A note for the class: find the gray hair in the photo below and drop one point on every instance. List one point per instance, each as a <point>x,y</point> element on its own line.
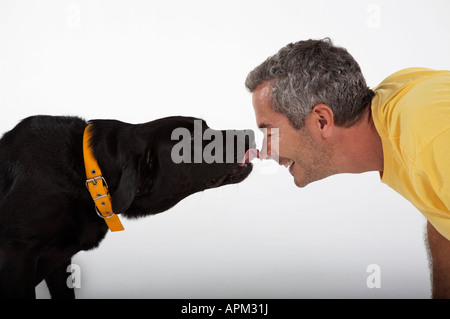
<point>311,72</point>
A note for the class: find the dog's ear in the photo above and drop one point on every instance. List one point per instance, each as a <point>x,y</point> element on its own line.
<point>128,184</point>
<point>136,173</point>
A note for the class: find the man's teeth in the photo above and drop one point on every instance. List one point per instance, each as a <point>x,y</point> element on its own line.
<point>287,164</point>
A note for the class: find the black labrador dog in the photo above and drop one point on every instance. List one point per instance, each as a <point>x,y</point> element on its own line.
<point>46,213</point>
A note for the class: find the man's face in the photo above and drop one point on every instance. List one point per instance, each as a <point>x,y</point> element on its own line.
<point>302,150</point>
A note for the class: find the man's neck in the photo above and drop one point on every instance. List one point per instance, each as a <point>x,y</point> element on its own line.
<point>359,148</point>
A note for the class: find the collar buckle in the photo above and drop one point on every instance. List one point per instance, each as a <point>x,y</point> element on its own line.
<point>94,182</point>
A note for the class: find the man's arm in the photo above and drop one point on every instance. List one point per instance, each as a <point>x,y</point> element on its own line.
<point>439,249</point>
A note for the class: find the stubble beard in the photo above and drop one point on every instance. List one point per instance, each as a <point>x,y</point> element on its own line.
<point>319,164</point>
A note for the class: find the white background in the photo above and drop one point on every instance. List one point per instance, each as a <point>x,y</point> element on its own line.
<point>140,60</point>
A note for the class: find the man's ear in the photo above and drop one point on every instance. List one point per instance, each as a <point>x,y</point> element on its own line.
<point>128,184</point>
<point>322,118</point>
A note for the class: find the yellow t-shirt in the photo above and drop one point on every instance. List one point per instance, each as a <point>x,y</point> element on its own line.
<point>411,112</point>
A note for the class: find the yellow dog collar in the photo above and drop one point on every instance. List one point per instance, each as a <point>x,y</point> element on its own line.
<point>97,186</point>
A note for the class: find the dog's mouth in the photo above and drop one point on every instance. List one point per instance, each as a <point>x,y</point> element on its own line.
<point>239,173</point>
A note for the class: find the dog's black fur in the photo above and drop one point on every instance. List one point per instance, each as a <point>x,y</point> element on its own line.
<point>46,212</point>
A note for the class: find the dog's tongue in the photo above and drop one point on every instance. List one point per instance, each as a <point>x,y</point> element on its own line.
<point>251,154</point>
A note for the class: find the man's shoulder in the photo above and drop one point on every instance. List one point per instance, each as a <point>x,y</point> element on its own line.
<point>413,95</point>
<point>410,74</point>
<point>413,106</point>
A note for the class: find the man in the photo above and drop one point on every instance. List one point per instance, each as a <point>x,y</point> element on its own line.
<point>330,122</point>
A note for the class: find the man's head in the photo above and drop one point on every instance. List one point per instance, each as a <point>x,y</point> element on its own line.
<point>311,91</point>
<point>307,73</point>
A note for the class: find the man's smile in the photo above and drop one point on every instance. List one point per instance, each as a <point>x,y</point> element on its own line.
<point>286,162</point>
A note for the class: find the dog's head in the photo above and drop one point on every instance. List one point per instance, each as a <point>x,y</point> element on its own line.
<point>171,158</point>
